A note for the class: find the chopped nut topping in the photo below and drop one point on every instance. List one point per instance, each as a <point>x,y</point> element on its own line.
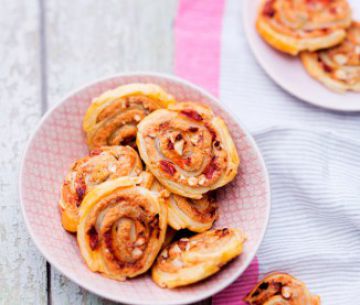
<point>195,139</point>
<point>202,180</point>
<point>165,253</point>
<point>88,181</point>
<point>192,181</point>
<point>340,74</point>
<point>175,249</point>
<point>177,263</point>
<point>179,146</point>
<point>285,292</point>
<point>136,253</point>
<point>340,59</point>
<point>140,241</point>
<point>112,167</point>
<point>357,50</point>
<point>172,137</point>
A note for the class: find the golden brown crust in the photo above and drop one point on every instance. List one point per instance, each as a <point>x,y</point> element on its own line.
<point>197,215</point>
<point>281,288</point>
<point>102,164</point>
<point>112,117</point>
<point>338,68</point>
<point>292,26</point>
<point>188,149</point>
<point>190,260</point>
<point>122,228</point>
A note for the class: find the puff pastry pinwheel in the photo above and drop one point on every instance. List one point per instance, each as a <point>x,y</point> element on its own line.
<point>188,149</point>
<point>197,215</point>
<point>292,26</point>
<point>338,68</point>
<point>112,117</point>
<point>105,163</point>
<point>122,228</point>
<point>281,288</point>
<point>190,260</point>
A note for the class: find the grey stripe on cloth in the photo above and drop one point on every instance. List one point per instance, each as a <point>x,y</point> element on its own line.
<point>314,229</point>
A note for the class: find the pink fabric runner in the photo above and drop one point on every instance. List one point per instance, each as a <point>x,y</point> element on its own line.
<point>198,29</point>
<point>197,42</point>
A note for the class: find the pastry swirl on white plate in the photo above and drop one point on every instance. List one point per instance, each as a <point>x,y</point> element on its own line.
<point>188,149</point>
<point>112,118</point>
<point>102,164</point>
<point>281,289</point>
<point>292,26</point>
<point>338,68</point>
<point>190,260</point>
<point>122,228</point>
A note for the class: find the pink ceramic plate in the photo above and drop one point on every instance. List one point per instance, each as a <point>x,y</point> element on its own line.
<point>288,72</point>
<point>58,141</point>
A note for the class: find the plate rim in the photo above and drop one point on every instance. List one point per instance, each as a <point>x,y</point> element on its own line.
<point>246,22</point>
<point>77,281</point>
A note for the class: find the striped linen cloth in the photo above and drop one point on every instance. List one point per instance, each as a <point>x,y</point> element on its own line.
<point>312,155</point>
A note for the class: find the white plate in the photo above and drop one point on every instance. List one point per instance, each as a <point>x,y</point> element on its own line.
<point>288,72</point>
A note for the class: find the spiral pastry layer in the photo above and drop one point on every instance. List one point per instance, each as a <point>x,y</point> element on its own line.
<point>122,228</point>
<point>103,164</point>
<point>292,26</point>
<point>281,288</point>
<point>197,215</point>
<point>338,68</point>
<point>112,118</point>
<point>188,149</point>
<point>190,260</point>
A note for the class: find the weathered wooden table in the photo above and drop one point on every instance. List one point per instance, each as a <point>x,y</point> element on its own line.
<point>48,48</point>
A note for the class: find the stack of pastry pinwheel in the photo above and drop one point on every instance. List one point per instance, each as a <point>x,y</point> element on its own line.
<point>152,169</point>
<point>322,32</point>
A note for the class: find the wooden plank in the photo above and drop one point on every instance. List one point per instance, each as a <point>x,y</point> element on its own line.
<point>89,39</point>
<point>22,268</point>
